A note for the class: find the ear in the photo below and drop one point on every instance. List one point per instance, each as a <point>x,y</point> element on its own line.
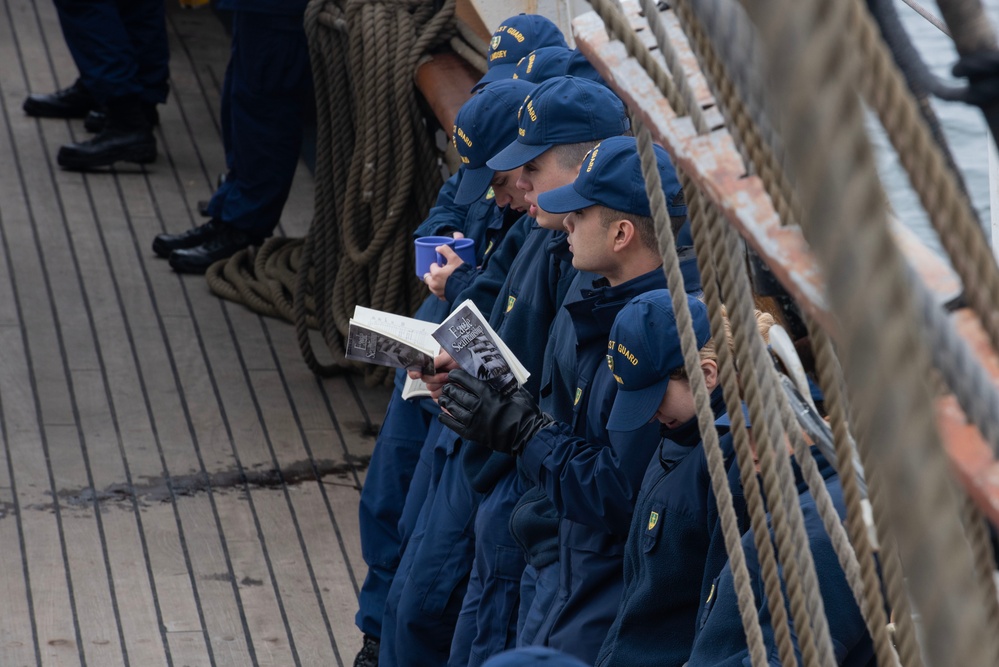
<point>624,234</point>
<point>710,368</point>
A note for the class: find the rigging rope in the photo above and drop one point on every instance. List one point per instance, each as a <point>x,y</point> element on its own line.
<point>845,223</point>
<point>833,390</point>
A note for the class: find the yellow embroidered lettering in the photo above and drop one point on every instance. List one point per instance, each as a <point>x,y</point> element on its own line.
<point>531,112</point>
<point>496,55</point>
<point>517,35</point>
<point>593,156</point>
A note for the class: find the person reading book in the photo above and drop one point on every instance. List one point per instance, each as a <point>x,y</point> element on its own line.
<point>611,234</point>
<point>579,114</point>
<point>498,226</point>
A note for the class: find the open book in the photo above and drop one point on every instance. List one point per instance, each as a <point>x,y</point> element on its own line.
<point>478,350</point>
<point>386,339</point>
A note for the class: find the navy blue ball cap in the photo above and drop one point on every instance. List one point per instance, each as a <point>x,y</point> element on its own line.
<point>644,347</point>
<point>543,64</point>
<point>611,175</point>
<point>533,656</point>
<point>563,110</point>
<point>549,62</point>
<point>516,37</point>
<point>484,125</point>
<point>578,65</point>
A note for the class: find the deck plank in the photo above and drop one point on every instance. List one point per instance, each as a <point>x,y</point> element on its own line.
<point>124,387</point>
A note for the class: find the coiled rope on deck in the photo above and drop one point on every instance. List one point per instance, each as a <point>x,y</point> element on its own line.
<point>376,177</point>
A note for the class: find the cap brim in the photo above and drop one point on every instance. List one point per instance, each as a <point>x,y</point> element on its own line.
<point>495,73</point>
<point>473,185</point>
<point>516,155</point>
<point>634,409</point>
<point>563,200</point>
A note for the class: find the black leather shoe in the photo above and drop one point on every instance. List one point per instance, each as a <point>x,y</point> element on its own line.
<point>127,136</point>
<point>73,102</point>
<point>97,119</point>
<point>164,244</point>
<point>368,655</point>
<point>226,242</point>
<point>108,147</point>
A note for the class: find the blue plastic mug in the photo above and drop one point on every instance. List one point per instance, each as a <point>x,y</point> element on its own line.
<point>465,248</point>
<point>426,253</point>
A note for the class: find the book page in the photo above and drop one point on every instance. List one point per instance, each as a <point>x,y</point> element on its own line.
<point>392,340</point>
<point>476,347</point>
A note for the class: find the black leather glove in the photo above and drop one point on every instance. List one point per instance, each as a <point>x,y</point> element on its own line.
<point>480,413</point>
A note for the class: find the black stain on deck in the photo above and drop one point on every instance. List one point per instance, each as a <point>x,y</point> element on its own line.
<point>162,489</point>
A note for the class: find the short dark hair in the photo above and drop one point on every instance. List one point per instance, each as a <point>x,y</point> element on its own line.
<point>644,225</point>
<point>570,156</point>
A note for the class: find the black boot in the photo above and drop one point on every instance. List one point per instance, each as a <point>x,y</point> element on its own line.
<point>97,119</point>
<point>368,655</point>
<point>127,136</point>
<point>164,244</point>
<point>73,102</point>
<point>226,242</point>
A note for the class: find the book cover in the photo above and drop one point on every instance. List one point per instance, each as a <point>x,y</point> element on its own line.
<point>386,339</point>
<point>478,350</point>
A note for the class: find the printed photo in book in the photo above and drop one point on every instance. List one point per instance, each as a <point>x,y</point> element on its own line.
<point>386,339</point>
<point>472,343</point>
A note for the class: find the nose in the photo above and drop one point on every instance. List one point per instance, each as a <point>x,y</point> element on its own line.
<point>567,223</point>
<point>523,183</point>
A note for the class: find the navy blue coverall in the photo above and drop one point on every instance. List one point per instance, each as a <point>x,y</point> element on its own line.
<point>266,93</point>
<point>674,549</point>
<point>720,640</point>
<point>119,46</point>
<point>396,455</point>
<point>425,599</point>
<point>590,475</point>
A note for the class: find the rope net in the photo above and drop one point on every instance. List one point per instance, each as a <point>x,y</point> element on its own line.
<point>919,563</point>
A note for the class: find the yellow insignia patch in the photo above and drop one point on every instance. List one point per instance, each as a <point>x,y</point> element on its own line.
<point>489,193</point>
<point>509,303</point>
<point>495,42</point>
<point>711,594</point>
<point>653,520</point>
<point>579,394</point>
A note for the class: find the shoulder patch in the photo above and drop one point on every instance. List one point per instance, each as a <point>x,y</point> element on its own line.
<point>579,394</point>
<point>653,519</point>
<point>509,303</point>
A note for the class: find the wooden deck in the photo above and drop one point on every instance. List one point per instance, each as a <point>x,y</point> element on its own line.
<point>139,521</point>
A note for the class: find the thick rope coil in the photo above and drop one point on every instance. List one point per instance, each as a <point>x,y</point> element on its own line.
<point>372,187</point>
<point>845,222</point>
<point>872,604</point>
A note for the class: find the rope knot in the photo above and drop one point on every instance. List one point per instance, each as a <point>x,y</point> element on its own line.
<point>982,71</point>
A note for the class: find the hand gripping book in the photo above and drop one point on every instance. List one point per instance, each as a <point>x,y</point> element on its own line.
<point>386,339</point>
<point>476,347</point>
